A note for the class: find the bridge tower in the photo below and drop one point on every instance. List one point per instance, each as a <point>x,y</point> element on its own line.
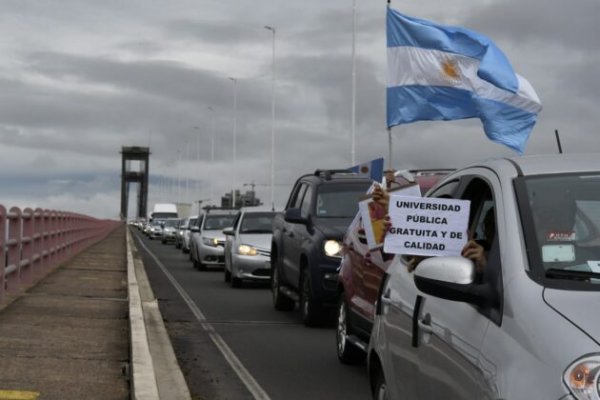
<point>139,176</point>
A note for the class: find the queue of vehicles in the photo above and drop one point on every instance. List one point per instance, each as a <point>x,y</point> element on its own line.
<point>524,327</point>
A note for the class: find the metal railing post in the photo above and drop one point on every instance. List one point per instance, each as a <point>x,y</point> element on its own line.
<point>3,239</point>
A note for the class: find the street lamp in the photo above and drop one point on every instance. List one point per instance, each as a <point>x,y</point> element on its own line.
<point>234,135</point>
<point>272,29</point>
<point>212,149</point>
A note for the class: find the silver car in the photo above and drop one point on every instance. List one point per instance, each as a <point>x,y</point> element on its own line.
<point>186,233</point>
<point>248,246</point>
<point>169,230</point>
<point>523,327</point>
<point>208,240</point>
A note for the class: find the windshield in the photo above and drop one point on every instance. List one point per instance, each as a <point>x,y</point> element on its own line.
<point>565,212</point>
<point>257,222</point>
<point>171,222</point>
<point>218,222</point>
<point>340,200</point>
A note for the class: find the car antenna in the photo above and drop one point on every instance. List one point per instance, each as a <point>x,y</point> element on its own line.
<point>558,141</point>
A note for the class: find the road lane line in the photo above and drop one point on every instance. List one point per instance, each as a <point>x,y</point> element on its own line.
<point>251,384</point>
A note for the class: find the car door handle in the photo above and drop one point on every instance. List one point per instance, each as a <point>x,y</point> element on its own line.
<point>425,324</point>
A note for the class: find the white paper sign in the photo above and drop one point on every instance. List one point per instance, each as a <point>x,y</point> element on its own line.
<point>427,226</point>
<point>373,216</point>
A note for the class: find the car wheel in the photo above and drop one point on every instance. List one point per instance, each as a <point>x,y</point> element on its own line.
<point>236,282</point>
<point>347,352</point>
<point>280,301</point>
<point>380,392</point>
<point>310,310</point>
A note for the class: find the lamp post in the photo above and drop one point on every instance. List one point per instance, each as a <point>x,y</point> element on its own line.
<point>197,158</point>
<point>234,136</point>
<point>272,29</point>
<point>212,148</point>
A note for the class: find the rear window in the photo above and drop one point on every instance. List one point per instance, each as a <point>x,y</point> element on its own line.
<point>218,222</point>
<point>340,200</point>
<point>257,222</point>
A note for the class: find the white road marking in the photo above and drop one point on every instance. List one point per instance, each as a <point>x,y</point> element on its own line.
<point>257,391</point>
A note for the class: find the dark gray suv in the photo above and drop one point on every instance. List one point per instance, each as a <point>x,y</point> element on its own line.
<point>307,241</point>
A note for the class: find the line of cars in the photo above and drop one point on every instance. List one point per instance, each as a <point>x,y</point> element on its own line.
<point>238,241</point>
<point>523,327</point>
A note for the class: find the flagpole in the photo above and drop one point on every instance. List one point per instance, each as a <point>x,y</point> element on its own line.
<point>389,129</point>
<point>353,129</point>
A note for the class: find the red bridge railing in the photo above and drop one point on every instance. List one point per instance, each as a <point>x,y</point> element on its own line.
<point>35,241</point>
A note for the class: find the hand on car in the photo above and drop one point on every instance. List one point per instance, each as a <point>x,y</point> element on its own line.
<point>475,253</point>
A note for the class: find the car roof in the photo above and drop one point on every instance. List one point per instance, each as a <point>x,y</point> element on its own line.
<point>220,211</point>
<point>543,164</point>
<point>334,177</point>
<point>256,209</point>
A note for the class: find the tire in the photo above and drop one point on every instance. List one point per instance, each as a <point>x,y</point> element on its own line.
<point>236,282</point>
<point>347,352</point>
<point>380,391</point>
<point>280,301</point>
<point>310,310</point>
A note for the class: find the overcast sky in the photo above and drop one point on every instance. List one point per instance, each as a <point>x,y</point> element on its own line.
<point>79,79</point>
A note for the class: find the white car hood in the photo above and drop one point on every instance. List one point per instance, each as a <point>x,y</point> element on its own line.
<point>579,307</point>
<point>259,240</point>
<point>214,234</point>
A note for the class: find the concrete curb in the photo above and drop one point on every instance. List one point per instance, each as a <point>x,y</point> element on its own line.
<point>159,376</point>
<point>143,382</point>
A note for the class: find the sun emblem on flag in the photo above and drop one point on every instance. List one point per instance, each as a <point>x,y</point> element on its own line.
<point>451,70</point>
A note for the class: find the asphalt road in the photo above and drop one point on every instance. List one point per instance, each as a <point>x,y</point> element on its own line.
<point>213,326</point>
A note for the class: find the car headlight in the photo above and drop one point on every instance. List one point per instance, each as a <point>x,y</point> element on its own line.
<point>213,242</point>
<point>582,378</point>
<point>246,250</point>
<point>332,248</point>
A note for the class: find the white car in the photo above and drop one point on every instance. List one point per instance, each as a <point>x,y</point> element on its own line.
<point>248,246</point>
<point>185,233</point>
<point>208,240</point>
<point>521,326</point>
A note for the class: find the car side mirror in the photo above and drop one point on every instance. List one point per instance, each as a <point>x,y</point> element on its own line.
<point>194,229</point>
<point>451,278</point>
<point>294,216</point>
<point>229,232</point>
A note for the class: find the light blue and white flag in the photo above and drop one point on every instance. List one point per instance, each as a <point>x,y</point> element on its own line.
<point>440,72</point>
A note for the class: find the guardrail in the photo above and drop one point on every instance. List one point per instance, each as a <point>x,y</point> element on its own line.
<point>34,241</point>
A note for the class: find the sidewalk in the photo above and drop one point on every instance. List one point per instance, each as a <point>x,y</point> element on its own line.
<point>91,329</point>
<point>68,336</point>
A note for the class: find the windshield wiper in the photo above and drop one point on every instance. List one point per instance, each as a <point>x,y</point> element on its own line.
<point>558,273</point>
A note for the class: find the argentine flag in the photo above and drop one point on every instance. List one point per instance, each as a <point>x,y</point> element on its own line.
<point>440,72</point>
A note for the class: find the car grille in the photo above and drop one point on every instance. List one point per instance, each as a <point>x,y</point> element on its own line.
<point>265,253</point>
<point>262,272</point>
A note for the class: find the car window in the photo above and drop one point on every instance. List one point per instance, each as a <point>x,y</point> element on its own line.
<point>297,200</point>
<point>257,223</point>
<point>446,190</point>
<point>192,222</point>
<point>236,221</point>
<point>171,223</point>
<point>339,200</point>
<point>218,222</point>
<point>305,207</point>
